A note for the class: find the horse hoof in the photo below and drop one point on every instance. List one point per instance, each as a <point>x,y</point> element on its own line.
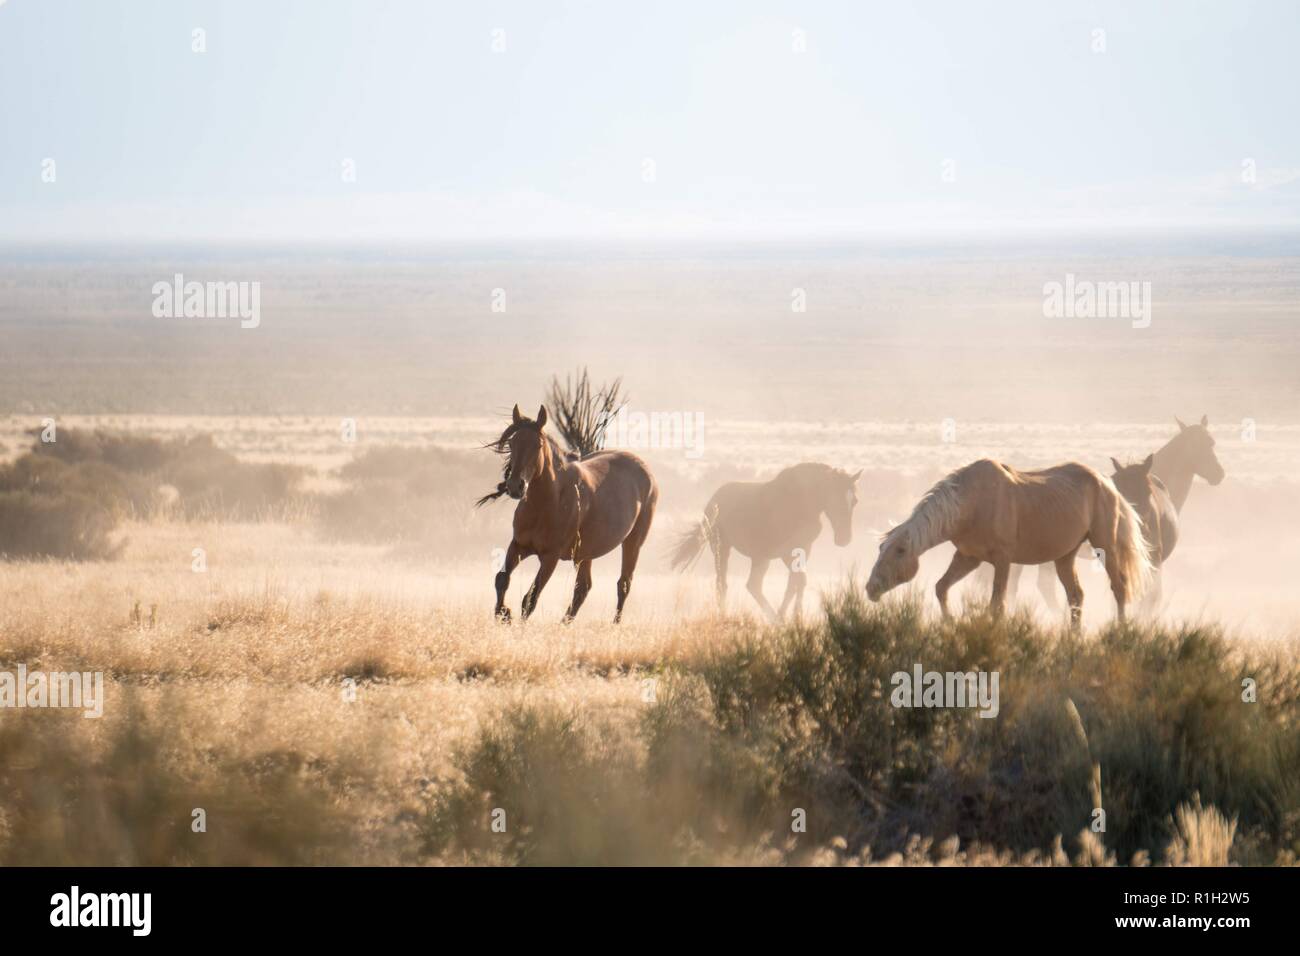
<point>503,615</point>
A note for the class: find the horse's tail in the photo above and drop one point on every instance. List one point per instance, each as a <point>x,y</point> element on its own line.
<point>690,545</point>
<point>1132,552</point>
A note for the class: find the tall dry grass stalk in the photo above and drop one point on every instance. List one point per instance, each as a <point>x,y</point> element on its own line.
<point>1094,781</point>
<point>1202,836</point>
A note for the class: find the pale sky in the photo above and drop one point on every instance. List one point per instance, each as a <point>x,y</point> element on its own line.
<point>897,118</point>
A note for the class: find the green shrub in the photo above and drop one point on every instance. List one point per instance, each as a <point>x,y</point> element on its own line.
<point>210,482</point>
<point>800,718</point>
<point>556,792</point>
<point>59,525</point>
<point>64,499</point>
<point>68,799</point>
<point>416,498</point>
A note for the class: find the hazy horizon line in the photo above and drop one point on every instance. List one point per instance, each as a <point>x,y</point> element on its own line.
<point>1173,235</point>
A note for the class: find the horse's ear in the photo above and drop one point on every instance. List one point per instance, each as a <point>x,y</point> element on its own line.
<point>853,479</point>
<point>517,415</point>
<point>1115,461</point>
<point>1205,420</point>
<point>541,417</point>
<point>1181,427</point>
<point>1146,465</point>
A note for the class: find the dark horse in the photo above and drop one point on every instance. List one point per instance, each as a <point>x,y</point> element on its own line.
<point>571,509</point>
<point>1185,457</point>
<point>773,519</point>
<point>1154,505</point>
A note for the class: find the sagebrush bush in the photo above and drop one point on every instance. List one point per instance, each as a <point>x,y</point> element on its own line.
<point>573,796</point>
<point>64,499</point>
<point>52,508</point>
<point>800,719</point>
<point>210,482</point>
<point>213,483</point>
<point>69,800</point>
<point>417,498</point>
<point>59,525</point>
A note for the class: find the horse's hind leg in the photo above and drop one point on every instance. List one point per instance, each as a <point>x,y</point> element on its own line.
<point>1069,575</point>
<point>721,554</point>
<point>1119,585</point>
<point>631,550</point>
<point>580,589</point>
<point>757,571</point>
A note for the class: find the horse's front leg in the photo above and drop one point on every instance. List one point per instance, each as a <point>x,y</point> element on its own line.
<point>960,566</point>
<point>795,583</point>
<point>513,555</point>
<point>549,561</point>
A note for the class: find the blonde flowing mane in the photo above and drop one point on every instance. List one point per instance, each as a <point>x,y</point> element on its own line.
<point>994,513</point>
<point>932,518</point>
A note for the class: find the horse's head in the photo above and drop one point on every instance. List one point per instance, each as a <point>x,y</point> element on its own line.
<point>1134,483</point>
<point>525,444</point>
<point>898,562</point>
<point>1198,446</point>
<point>839,496</point>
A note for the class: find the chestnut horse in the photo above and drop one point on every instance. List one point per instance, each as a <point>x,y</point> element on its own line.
<point>770,520</point>
<point>994,513</point>
<point>571,509</point>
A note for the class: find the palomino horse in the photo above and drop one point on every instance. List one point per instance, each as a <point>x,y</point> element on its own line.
<point>571,509</point>
<point>773,519</point>
<point>1185,457</point>
<point>994,513</point>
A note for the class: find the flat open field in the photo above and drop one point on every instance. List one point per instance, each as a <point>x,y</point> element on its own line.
<point>329,683</point>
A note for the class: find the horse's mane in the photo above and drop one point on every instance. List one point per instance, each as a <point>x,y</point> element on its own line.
<point>933,515</point>
<point>798,475</point>
<point>501,447</point>
<point>803,468</point>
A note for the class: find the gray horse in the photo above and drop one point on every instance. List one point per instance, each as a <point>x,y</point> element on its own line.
<point>770,520</point>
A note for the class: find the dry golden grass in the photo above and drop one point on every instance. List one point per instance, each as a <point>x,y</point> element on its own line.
<point>323,682</point>
<point>232,689</point>
<point>251,657</point>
